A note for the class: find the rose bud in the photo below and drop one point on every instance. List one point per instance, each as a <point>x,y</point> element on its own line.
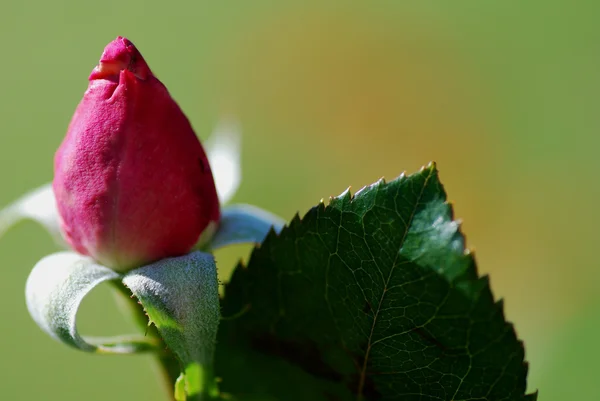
<point>132,182</point>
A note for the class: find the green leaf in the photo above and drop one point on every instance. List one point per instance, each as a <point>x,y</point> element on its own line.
<point>373,297</point>
<point>181,298</point>
<point>54,290</point>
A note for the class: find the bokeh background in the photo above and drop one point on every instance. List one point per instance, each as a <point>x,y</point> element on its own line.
<point>503,95</point>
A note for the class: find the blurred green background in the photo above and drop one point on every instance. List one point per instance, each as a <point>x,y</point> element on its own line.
<point>502,94</point>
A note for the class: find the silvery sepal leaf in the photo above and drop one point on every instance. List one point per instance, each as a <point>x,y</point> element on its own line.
<point>243,223</point>
<point>54,291</point>
<point>37,205</point>
<point>223,149</point>
<point>181,298</point>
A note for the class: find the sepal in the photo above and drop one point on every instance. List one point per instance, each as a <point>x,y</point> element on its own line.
<point>56,287</point>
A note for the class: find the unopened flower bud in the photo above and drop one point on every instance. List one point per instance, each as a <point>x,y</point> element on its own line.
<point>132,181</point>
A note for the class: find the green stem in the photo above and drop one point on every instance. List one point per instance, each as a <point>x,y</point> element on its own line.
<point>199,383</point>
<point>168,363</point>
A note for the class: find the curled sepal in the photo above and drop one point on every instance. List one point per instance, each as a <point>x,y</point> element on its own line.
<point>223,151</point>
<point>38,205</point>
<point>54,290</point>
<point>244,224</point>
<point>181,298</point>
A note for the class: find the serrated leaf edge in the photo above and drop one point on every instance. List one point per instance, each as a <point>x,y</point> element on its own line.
<point>346,195</point>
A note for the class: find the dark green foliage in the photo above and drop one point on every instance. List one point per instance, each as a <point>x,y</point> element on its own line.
<point>372,297</point>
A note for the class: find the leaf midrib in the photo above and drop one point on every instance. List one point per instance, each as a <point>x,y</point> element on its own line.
<point>362,378</point>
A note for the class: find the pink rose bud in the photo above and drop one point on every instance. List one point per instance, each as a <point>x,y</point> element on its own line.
<point>132,182</point>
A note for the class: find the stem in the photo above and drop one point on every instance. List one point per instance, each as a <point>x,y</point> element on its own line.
<point>201,378</point>
<point>168,363</point>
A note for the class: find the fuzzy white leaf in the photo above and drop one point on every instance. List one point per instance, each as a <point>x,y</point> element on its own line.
<point>181,298</point>
<point>55,289</point>
<point>244,224</point>
<point>38,205</point>
<point>223,150</point>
